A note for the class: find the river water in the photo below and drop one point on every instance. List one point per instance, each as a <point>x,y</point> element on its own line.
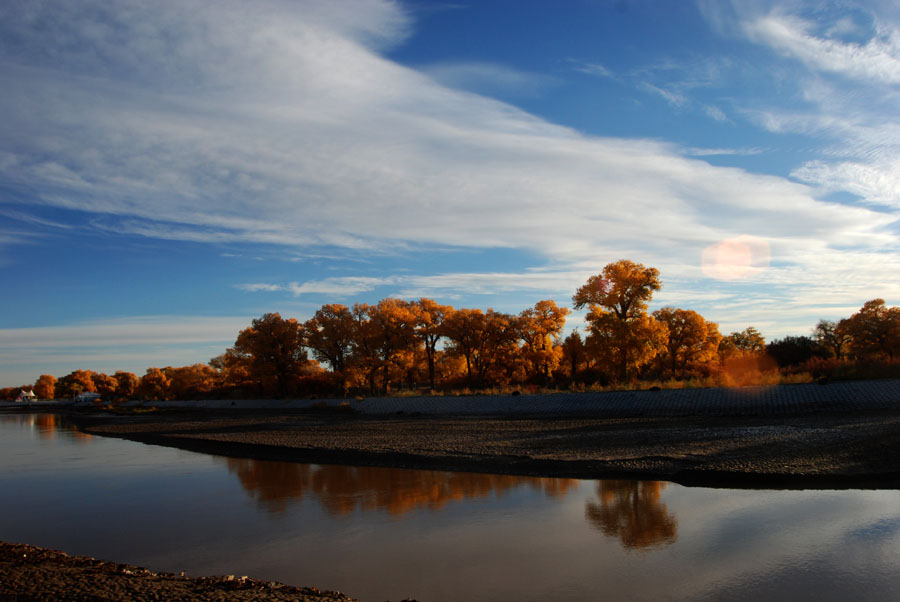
<point>379,534</point>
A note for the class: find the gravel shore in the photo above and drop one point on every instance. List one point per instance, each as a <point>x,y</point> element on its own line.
<point>32,574</point>
<point>836,435</point>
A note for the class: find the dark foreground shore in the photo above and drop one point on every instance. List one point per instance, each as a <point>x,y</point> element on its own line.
<point>776,441</point>
<point>32,574</point>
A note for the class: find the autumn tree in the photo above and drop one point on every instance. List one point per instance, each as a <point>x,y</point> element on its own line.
<point>274,348</point>
<point>482,338</point>
<point>747,341</point>
<point>235,372</point>
<point>390,330</point>
<point>833,336</point>
<point>329,334</point>
<point>540,328</point>
<point>126,383</point>
<point>573,351</point>
<point>691,339</point>
<point>105,385</point>
<point>45,386</point>
<point>430,317</point>
<point>621,332</point>
<point>154,385</point>
<point>190,382</point>
<point>875,330</point>
<point>70,385</point>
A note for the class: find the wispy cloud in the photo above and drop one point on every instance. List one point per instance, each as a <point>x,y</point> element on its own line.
<point>488,78</point>
<point>132,344</point>
<point>859,121</point>
<point>878,59</point>
<point>596,69</point>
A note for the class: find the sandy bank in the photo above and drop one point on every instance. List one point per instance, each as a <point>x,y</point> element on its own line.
<point>843,435</point>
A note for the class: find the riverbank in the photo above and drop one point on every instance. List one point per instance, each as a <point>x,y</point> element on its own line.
<point>820,436</point>
<point>32,574</point>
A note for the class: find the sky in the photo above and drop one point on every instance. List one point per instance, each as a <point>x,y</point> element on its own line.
<point>171,170</point>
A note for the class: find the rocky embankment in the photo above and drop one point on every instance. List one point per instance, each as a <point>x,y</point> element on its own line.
<point>843,435</point>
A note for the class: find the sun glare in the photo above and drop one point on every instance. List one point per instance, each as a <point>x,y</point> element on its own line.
<point>736,258</point>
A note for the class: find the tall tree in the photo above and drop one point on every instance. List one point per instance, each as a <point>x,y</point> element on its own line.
<point>574,352</point>
<point>482,339</point>
<point>70,385</point>
<point>126,383</point>
<point>105,385</point>
<point>430,317</point>
<point>274,347</point>
<point>745,342</point>
<point>875,330</point>
<point>540,328</point>
<point>154,385</point>
<point>44,386</point>
<point>329,333</point>
<point>392,323</point>
<point>619,325</point>
<point>691,339</point>
<point>833,336</point>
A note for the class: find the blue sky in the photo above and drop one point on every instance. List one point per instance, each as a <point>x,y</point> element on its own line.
<point>171,170</point>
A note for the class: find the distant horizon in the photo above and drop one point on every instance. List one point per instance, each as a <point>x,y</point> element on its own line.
<point>170,172</point>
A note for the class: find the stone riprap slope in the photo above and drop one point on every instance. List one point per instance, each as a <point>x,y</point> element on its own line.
<point>839,434</point>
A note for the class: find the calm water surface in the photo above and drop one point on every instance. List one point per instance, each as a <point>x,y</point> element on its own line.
<point>380,534</point>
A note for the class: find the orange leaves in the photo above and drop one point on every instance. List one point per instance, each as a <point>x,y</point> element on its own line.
<point>44,386</point>
<point>622,335</point>
<point>691,340</point>
<point>273,348</point>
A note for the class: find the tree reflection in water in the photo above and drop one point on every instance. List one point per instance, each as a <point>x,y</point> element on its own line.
<point>633,512</point>
<point>47,426</point>
<point>343,489</point>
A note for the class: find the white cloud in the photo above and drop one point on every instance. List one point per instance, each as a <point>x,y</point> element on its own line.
<point>876,183</point>
<point>878,59</point>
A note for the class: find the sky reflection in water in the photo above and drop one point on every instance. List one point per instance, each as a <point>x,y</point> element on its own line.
<point>378,533</point>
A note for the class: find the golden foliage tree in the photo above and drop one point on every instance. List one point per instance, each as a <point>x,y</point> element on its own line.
<point>329,334</point>
<point>154,385</point>
<point>540,328</point>
<point>126,383</point>
<point>191,382</point>
<point>874,330</point>
<point>430,317</point>
<point>105,384</point>
<point>483,339</point>
<point>691,340</point>
<point>392,326</point>
<point>45,386</point>
<point>274,348</point>
<point>622,334</point>
<point>78,381</point>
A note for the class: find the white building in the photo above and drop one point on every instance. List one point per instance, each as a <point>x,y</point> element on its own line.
<point>26,396</point>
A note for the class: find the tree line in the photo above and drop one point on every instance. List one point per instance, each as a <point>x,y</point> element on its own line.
<point>422,345</point>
